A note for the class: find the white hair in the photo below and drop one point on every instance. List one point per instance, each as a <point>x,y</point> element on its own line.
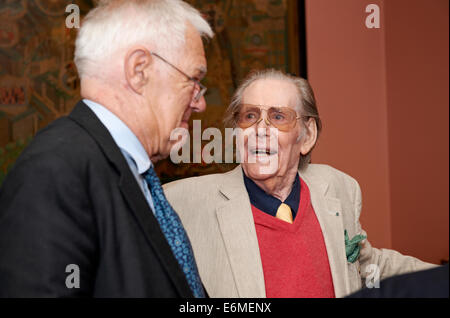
<point>117,24</point>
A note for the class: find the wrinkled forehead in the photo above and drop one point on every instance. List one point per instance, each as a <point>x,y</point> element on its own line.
<point>271,92</point>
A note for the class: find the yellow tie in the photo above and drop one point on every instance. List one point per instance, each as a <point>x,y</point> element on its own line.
<point>284,213</point>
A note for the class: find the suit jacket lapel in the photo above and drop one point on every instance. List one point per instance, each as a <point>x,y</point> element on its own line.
<point>329,214</point>
<point>133,195</point>
<point>238,232</point>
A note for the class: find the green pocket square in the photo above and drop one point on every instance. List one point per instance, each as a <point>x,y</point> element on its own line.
<point>352,247</point>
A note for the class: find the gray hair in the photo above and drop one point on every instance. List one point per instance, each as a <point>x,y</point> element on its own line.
<point>306,105</point>
<point>117,24</point>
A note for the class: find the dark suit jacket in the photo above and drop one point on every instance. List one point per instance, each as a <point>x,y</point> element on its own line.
<point>72,199</point>
<point>430,283</point>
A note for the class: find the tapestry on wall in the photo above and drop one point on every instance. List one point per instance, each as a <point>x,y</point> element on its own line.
<point>39,83</point>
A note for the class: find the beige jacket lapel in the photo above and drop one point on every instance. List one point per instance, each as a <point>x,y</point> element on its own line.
<point>329,214</point>
<point>239,235</point>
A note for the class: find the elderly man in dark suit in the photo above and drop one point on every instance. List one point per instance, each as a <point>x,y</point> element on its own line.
<point>82,213</point>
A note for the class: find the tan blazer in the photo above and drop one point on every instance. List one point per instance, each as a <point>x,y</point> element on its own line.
<point>215,210</point>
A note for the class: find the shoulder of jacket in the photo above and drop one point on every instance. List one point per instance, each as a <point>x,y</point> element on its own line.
<point>192,183</point>
<point>331,174</point>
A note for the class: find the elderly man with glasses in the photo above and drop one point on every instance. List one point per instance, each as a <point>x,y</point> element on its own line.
<point>289,229</point>
<point>83,212</point>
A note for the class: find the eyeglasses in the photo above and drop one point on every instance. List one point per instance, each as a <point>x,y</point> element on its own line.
<point>199,88</point>
<point>283,118</point>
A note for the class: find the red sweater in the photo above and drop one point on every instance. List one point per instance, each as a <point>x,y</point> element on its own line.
<point>294,257</point>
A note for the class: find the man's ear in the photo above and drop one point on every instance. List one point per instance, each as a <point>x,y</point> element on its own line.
<point>310,136</point>
<point>137,64</point>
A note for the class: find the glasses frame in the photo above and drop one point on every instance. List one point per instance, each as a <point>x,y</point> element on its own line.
<point>266,119</point>
<point>202,87</point>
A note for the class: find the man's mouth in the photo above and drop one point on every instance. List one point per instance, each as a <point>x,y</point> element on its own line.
<point>265,152</point>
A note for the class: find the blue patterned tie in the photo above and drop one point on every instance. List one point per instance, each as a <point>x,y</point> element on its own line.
<point>174,232</point>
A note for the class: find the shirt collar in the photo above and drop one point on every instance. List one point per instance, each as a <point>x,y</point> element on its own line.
<point>269,204</point>
<point>122,135</point>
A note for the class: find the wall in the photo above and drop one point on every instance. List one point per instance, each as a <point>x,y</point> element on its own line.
<point>418,109</point>
<point>383,97</point>
<point>346,70</point>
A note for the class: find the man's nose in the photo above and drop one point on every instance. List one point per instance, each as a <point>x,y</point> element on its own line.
<point>263,126</point>
<point>199,106</point>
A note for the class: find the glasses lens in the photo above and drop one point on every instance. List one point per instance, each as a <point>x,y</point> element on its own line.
<point>199,91</point>
<point>248,116</point>
<point>282,118</point>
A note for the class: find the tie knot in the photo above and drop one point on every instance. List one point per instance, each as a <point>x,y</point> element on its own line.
<point>284,213</point>
<point>150,176</point>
